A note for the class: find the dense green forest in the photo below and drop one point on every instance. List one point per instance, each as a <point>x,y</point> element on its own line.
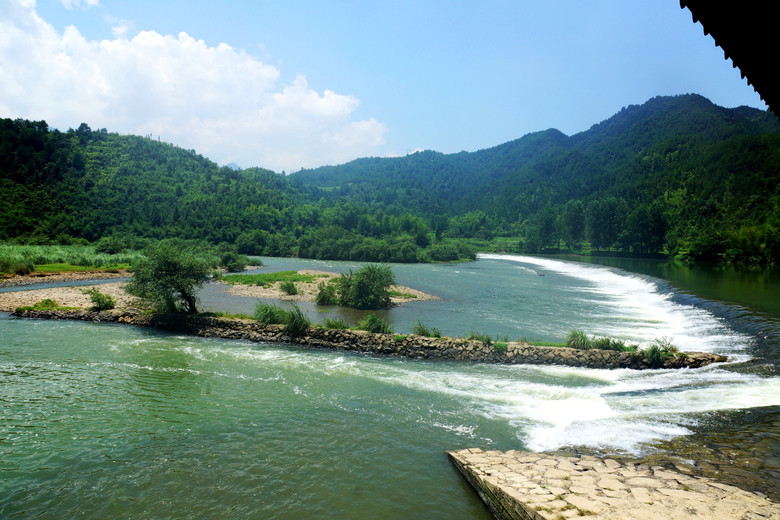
<point>676,175</point>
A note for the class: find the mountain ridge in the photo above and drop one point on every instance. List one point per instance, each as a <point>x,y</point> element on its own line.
<point>676,174</point>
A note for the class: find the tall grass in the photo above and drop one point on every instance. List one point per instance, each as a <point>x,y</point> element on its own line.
<point>295,321</point>
<point>374,323</point>
<point>421,330</point>
<point>85,256</point>
<point>578,339</point>
<point>659,351</point>
<point>335,324</point>
<point>267,314</point>
<point>288,287</point>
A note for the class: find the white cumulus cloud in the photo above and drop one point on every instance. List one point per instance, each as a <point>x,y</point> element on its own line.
<point>70,4</point>
<point>220,101</point>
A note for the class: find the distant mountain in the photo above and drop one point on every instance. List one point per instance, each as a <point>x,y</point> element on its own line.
<point>675,174</point>
<point>587,162</point>
<point>672,153</point>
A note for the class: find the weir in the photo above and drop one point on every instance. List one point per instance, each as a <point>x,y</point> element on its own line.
<point>410,346</point>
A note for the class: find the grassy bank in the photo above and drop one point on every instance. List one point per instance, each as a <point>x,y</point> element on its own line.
<point>23,259</point>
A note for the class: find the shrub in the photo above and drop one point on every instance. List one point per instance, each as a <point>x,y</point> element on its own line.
<point>500,346</point>
<point>43,305</point>
<point>110,245</point>
<point>22,268</point>
<point>267,313</point>
<point>435,332</point>
<point>295,322</point>
<point>230,259</point>
<point>288,287</point>
<point>326,294</point>
<point>374,323</point>
<point>366,289</point>
<point>659,351</point>
<point>654,356</point>
<point>578,339</point>
<point>608,344</point>
<point>398,338</point>
<point>335,324</point>
<point>100,301</point>
<point>419,329</point>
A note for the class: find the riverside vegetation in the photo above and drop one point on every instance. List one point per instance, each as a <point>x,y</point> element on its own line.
<point>677,176</point>
<point>167,278</point>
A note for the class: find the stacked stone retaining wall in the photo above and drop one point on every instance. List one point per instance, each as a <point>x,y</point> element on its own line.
<point>410,346</point>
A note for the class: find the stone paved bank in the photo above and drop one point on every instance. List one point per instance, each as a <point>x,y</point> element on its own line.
<point>411,346</point>
<point>541,486</point>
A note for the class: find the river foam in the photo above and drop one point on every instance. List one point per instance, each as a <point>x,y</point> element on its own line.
<point>634,308</point>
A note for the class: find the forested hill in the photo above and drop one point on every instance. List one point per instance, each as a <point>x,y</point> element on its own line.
<point>677,175</point>
<point>82,185</point>
<point>588,160</point>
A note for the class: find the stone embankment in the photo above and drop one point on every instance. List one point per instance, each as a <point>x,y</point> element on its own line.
<point>543,486</point>
<point>410,346</point>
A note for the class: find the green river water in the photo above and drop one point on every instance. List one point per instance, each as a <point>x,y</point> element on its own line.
<point>110,421</point>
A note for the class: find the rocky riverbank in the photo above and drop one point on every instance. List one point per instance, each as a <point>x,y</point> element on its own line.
<point>411,346</point>
<point>71,276</point>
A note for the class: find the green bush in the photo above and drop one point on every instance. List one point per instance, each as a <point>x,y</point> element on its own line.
<point>654,356</point>
<point>500,346</point>
<point>110,245</point>
<point>578,339</point>
<point>288,287</point>
<point>44,305</point>
<point>374,323</point>
<point>368,288</point>
<point>420,329</point>
<point>330,323</point>
<point>659,351</point>
<point>326,294</point>
<point>267,314</point>
<point>230,258</point>
<point>295,322</point>
<point>609,344</point>
<point>100,301</point>
<point>22,268</point>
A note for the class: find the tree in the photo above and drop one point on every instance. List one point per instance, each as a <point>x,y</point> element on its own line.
<point>367,288</point>
<point>170,275</point>
<point>574,221</point>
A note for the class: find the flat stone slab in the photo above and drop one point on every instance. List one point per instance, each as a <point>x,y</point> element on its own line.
<point>545,486</point>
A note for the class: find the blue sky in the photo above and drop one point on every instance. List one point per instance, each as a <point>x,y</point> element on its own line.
<point>291,84</point>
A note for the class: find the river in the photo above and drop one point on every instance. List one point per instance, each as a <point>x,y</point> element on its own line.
<point>104,420</point>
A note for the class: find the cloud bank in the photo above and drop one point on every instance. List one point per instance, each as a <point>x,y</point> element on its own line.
<point>220,101</point>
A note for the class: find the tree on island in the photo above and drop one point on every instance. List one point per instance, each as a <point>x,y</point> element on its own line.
<point>368,288</point>
<point>170,275</point>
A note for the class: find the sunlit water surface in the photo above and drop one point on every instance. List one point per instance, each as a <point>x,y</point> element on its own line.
<point>100,420</point>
